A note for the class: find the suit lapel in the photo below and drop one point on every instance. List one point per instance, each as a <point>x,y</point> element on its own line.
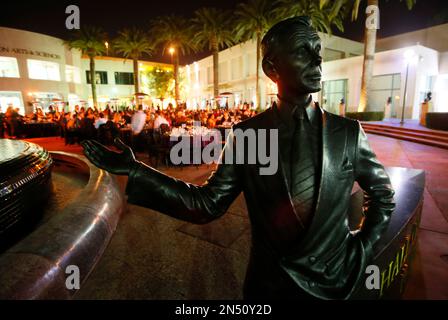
<point>331,145</point>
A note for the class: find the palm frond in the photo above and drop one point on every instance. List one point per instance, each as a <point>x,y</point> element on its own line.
<point>89,40</point>
<point>172,31</point>
<point>212,28</point>
<point>133,43</point>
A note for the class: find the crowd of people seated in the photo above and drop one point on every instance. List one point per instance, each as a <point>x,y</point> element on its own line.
<point>92,123</point>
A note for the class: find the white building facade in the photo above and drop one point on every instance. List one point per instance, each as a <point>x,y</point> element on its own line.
<point>237,74</point>
<point>37,70</point>
<point>342,71</point>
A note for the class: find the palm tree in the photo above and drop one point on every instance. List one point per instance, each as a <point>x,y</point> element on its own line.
<point>133,43</point>
<point>369,51</point>
<point>173,32</point>
<point>323,13</point>
<point>367,65</point>
<point>254,18</point>
<point>90,41</point>
<point>213,31</point>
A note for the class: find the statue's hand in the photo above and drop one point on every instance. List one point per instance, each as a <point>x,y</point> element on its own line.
<point>114,162</point>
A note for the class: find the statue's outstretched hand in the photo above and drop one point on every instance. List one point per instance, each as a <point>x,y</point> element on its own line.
<point>114,162</point>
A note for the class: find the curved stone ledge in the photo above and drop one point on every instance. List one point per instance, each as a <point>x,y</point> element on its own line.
<point>35,267</point>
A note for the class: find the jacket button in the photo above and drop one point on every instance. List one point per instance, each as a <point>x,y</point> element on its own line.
<point>311,284</point>
<point>312,259</point>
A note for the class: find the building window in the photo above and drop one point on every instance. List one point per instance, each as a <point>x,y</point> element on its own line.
<point>382,88</point>
<point>332,94</point>
<point>13,99</point>
<point>72,74</point>
<point>223,72</point>
<point>9,67</point>
<point>124,78</point>
<point>331,54</point>
<point>43,70</point>
<point>209,75</point>
<point>246,65</point>
<point>100,77</point>
<point>426,86</point>
<point>252,64</point>
<point>237,68</point>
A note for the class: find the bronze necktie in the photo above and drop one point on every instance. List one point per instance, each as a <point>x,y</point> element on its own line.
<point>303,171</point>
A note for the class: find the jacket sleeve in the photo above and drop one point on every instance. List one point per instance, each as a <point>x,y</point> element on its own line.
<point>199,204</point>
<point>378,193</point>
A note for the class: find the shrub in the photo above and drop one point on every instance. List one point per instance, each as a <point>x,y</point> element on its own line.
<point>366,116</point>
<point>437,120</point>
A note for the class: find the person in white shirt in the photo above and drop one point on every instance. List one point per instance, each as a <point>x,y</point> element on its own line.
<point>138,121</point>
<point>101,120</point>
<point>160,119</point>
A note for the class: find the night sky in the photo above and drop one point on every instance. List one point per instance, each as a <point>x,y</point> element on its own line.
<point>48,17</point>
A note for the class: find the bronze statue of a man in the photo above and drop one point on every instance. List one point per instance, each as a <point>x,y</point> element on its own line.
<point>302,246</point>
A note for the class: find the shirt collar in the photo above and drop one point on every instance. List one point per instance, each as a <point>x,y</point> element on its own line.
<point>286,110</point>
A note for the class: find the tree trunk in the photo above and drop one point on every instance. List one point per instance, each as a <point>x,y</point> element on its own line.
<point>176,78</point>
<point>215,74</point>
<point>367,68</point>
<point>93,81</point>
<point>257,80</point>
<point>136,77</point>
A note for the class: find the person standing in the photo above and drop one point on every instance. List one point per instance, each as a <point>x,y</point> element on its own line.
<point>160,119</point>
<point>342,107</point>
<point>388,108</point>
<point>2,124</point>
<point>138,122</point>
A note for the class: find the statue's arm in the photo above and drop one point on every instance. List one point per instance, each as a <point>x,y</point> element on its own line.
<point>378,193</point>
<point>150,188</point>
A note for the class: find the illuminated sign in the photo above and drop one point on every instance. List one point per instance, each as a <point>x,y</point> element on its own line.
<point>29,52</point>
<point>398,266</point>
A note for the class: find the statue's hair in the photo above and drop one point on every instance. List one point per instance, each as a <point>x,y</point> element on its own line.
<point>286,27</point>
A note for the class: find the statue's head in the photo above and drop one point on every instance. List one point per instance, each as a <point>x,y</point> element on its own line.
<point>291,55</point>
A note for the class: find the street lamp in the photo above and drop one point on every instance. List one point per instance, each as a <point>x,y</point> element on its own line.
<point>107,47</point>
<point>171,51</point>
<point>409,57</point>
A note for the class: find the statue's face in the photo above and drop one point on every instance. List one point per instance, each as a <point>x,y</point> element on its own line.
<point>298,63</point>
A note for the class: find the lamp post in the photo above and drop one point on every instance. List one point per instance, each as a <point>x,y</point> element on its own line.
<point>409,57</point>
<point>171,51</point>
<point>107,47</point>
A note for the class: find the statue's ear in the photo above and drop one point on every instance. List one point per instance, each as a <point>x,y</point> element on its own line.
<point>269,70</point>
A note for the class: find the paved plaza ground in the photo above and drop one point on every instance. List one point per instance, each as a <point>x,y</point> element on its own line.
<point>152,256</point>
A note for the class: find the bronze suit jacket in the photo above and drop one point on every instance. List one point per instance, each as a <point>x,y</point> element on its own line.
<point>329,260</point>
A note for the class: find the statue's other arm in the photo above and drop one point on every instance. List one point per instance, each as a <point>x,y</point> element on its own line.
<point>378,193</point>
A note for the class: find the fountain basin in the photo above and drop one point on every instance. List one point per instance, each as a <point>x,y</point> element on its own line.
<point>75,230</point>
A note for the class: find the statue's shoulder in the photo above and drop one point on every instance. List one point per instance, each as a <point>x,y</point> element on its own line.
<point>339,120</point>
<point>336,122</point>
<point>260,120</point>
